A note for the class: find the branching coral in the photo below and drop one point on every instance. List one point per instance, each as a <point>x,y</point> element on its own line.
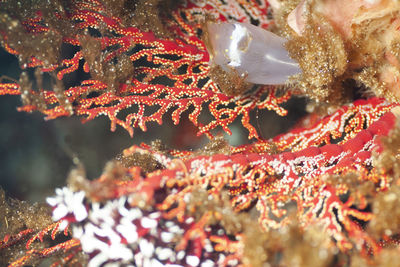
<point>29,235</point>
<point>271,187</point>
<point>250,205</point>
<point>130,68</point>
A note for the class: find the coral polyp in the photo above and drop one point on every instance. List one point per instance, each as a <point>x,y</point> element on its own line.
<point>322,193</point>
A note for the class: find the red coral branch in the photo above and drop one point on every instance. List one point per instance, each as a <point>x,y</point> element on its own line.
<point>71,245</point>
<point>167,74</point>
<point>269,182</point>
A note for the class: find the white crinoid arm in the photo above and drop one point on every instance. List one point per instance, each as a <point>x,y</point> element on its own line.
<point>255,54</point>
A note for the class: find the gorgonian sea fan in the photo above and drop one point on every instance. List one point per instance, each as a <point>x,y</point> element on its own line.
<point>126,68</point>
<point>184,211</point>
<point>220,206</point>
<point>188,208</point>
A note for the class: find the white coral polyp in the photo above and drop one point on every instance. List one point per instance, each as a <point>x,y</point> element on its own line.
<point>128,230</point>
<point>105,221</point>
<point>68,202</point>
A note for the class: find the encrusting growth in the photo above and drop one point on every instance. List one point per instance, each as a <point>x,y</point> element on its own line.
<point>29,235</point>
<point>321,194</point>
<point>335,41</point>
